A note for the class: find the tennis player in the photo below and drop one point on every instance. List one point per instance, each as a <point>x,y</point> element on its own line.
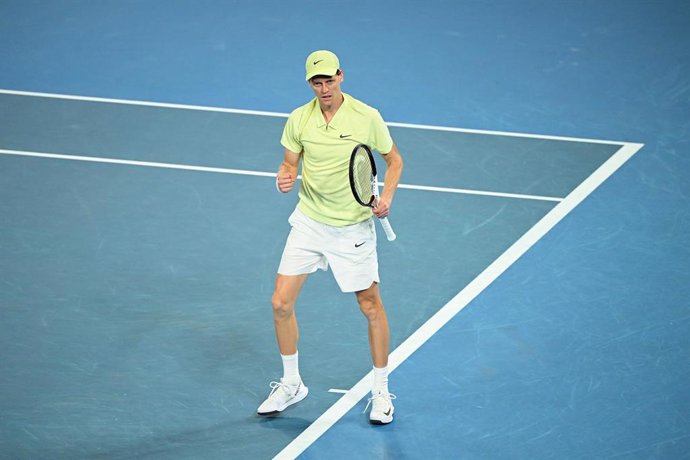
<point>329,228</point>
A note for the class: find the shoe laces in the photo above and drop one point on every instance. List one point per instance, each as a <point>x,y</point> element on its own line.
<point>286,388</point>
<point>389,396</point>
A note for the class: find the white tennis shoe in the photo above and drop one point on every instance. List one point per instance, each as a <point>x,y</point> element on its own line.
<point>281,397</point>
<point>381,408</point>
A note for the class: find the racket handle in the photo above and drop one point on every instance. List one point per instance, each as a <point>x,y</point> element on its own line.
<point>390,234</point>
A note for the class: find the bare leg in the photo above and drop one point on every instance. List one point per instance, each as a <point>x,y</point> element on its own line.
<point>284,297</point>
<point>290,390</point>
<point>371,305</point>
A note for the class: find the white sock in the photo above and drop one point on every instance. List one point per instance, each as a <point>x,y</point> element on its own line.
<point>291,369</point>
<point>380,380</point>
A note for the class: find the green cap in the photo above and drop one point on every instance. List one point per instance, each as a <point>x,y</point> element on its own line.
<point>322,62</point>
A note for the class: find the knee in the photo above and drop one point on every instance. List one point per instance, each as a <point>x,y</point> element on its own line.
<point>371,308</point>
<point>282,308</point>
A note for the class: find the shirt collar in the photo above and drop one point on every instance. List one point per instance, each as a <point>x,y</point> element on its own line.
<point>321,122</point>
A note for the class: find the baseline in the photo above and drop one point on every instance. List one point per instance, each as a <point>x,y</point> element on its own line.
<point>285,115</point>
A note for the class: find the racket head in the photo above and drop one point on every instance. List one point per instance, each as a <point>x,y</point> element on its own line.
<point>362,175</point>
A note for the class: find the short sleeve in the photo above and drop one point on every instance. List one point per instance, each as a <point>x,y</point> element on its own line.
<point>381,137</point>
<point>290,139</point>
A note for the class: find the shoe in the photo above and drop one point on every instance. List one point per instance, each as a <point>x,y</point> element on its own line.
<point>281,397</point>
<point>381,408</point>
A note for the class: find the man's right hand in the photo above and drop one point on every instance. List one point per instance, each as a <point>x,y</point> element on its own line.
<point>285,182</point>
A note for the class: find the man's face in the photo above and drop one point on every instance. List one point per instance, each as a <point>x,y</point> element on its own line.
<point>327,89</point>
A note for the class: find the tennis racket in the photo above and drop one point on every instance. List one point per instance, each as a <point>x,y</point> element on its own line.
<point>364,184</point>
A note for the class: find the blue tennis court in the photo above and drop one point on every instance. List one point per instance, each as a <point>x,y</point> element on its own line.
<point>537,291</point>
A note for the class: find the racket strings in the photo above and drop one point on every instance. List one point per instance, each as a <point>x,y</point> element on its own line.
<point>363,177</point>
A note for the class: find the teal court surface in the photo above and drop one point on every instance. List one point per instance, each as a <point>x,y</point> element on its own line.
<point>143,250</point>
<point>537,292</point>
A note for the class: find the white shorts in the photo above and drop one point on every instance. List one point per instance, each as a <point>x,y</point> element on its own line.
<point>350,251</point>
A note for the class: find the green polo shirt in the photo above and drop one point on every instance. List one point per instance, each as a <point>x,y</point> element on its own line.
<point>325,194</point>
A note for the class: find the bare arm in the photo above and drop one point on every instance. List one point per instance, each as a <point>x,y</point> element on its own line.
<point>394,167</point>
<point>288,171</point>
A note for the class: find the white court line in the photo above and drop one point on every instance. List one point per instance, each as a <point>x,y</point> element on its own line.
<point>460,301</point>
<point>140,103</point>
<point>284,115</point>
<point>152,164</point>
<point>480,192</point>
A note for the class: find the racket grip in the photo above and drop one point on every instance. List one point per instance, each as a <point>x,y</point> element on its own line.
<point>390,234</point>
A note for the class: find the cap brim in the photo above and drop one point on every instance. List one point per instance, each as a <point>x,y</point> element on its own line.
<point>327,72</point>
